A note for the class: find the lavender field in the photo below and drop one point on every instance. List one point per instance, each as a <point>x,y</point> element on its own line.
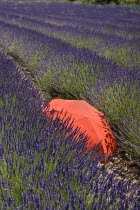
<point>70,51</point>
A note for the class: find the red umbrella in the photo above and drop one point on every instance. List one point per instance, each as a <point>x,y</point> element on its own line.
<point>88,119</point>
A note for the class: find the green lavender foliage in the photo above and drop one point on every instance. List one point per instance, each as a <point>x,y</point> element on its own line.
<point>42,164</point>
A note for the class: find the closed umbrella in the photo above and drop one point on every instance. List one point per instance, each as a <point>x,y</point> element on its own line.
<point>88,119</point>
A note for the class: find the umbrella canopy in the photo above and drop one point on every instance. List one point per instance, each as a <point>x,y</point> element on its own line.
<point>88,119</point>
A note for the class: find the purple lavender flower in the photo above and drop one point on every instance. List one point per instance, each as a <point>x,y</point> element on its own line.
<point>41,166</point>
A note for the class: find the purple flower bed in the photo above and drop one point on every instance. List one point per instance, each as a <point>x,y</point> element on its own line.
<point>91,53</point>
<point>40,165</point>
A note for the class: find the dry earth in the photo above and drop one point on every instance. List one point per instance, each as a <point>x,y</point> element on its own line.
<point>129,169</point>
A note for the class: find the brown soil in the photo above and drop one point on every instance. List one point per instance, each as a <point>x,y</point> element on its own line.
<point>129,170</point>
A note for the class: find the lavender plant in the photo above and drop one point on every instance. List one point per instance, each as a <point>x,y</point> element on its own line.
<point>120,102</point>
<point>42,164</point>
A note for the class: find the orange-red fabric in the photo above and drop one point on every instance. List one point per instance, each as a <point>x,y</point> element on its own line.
<point>88,119</point>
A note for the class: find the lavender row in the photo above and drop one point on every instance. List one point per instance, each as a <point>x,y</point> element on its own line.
<point>81,10</point>
<point>40,165</point>
<point>47,48</point>
<point>88,15</point>
<point>115,45</point>
<point>81,30</point>
<point>122,19</point>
